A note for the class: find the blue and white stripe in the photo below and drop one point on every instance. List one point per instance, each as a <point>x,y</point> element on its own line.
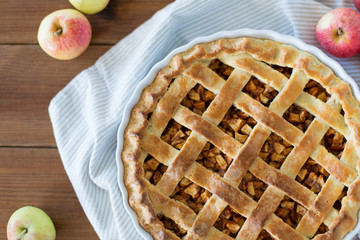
<point>86,113</point>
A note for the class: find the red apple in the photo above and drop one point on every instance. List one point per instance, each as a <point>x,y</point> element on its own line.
<point>64,34</point>
<point>338,32</point>
<point>357,4</point>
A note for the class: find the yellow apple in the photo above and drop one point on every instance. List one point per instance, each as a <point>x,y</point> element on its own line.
<point>29,223</point>
<point>89,6</point>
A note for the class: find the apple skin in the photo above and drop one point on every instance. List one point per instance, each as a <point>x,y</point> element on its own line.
<point>64,34</point>
<point>357,4</point>
<point>38,224</point>
<point>338,32</point>
<point>89,6</point>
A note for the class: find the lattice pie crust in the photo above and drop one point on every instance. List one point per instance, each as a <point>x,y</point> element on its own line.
<point>244,139</point>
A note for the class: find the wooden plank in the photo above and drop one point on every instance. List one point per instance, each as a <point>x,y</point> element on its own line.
<point>35,176</point>
<point>29,80</point>
<point>21,19</point>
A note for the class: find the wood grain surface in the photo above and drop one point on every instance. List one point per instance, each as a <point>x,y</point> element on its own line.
<point>31,171</point>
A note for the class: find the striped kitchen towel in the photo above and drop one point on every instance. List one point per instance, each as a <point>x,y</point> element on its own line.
<point>87,112</point>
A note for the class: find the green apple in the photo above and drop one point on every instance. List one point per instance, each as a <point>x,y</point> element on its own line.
<point>89,6</point>
<point>30,223</point>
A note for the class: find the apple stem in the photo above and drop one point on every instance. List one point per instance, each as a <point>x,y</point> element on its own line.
<point>21,234</point>
<point>340,31</point>
<point>58,32</point>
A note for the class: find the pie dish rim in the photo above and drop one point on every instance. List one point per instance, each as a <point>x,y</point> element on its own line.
<point>263,34</point>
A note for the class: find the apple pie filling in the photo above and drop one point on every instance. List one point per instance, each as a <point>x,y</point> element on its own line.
<point>213,159</point>
<point>264,235</point>
<point>172,226</point>
<point>299,117</point>
<point>237,124</point>
<point>229,222</point>
<point>198,99</point>
<point>175,134</point>
<point>334,142</point>
<point>153,169</point>
<point>322,229</point>
<point>191,194</point>
<point>290,211</point>
<point>260,91</point>
<point>275,150</point>
<point>312,176</point>
<point>220,68</point>
<point>315,89</point>
<point>284,70</point>
<point>252,186</point>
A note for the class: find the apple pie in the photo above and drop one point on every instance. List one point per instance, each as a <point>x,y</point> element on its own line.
<point>244,138</point>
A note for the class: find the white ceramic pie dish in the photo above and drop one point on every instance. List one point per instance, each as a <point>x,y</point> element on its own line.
<point>336,67</point>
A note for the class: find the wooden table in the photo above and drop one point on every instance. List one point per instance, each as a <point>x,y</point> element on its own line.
<point>31,172</point>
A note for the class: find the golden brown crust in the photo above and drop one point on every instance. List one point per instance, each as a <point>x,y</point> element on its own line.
<point>245,55</point>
